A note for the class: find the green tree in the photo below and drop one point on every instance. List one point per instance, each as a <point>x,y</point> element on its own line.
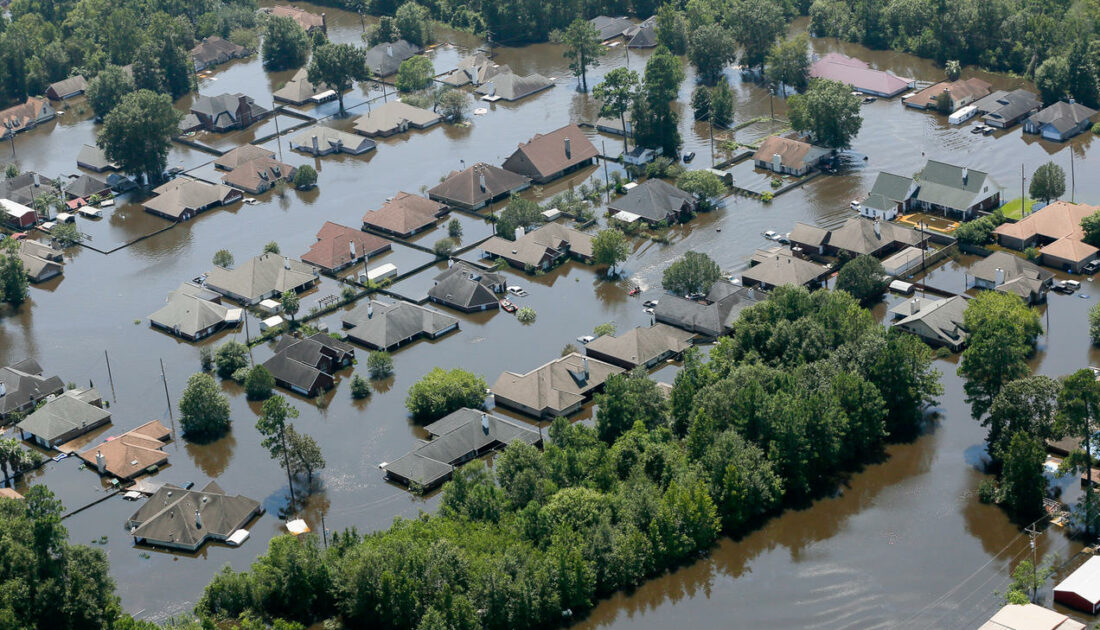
<point>705,186</point>
<point>13,277</point>
<point>864,278</point>
<point>693,273</point>
<point>610,247</point>
<point>1028,406</point>
<point>1023,480</point>
<point>66,234</point>
<point>291,303</point>
<point>653,120</point>
<point>828,111</point>
<point>379,364</point>
<point>1052,79</point>
<point>107,89</point>
<point>204,410</point>
<point>743,483</point>
<point>272,247</point>
<point>1078,412</point>
<point>305,455</point>
<point>788,62</point>
<point>700,103</point>
<point>582,49</point>
<point>223,258</point>
<point>1002,335</point>
<point>286,44</point>
<point>274,424</point>
<point>444,247</point>
<point>755,24</point>
<point>1094,324</point>
<point>454,228</point>
<point>230,357</point>
<point>359,387</point>
<point>338,66</point>
<point>626,399</point>
<point>259,383</point>
<point>617,92</point>
<point>1028,580</point>
<point>721,104</point>
<point>672,29</point>
<point>604,329</point>
<point>1090,225</point>
<point>711,48</point>
<point>452,104</point>
<point>305,177</point>
<point>952,70</point>
<point>519,212</point>
<point>526,315</point>
<point>442,391</point>
<point>383,32</point>
<point>413,23</point>
<point>1048,183</point>
<point>415,73</point>
<point>137,134</point>
<point>164,67</point>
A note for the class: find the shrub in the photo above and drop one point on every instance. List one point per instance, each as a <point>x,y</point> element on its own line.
<point>206,358</point>
<point>379,364</point>
<point>1032,253</point>
<point>526,315</point>
<point>305,177</point>
<point>359,387</point>
<point>259,383</point>
<point>776,182</point>
<point>987,491</point>
<point>979,231</point>
<point>441,392</point>
<point>240,375</point>
<point>767,196</point>
<point>444,247</point>
<point>230,357</point>
<point>1096,129</point>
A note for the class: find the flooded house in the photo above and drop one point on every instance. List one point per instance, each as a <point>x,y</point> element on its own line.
<point>213,51</point>
<point>1003,109</point>
<point>132,454</point>
<point>473,70</point>
<point>890,196</point>
<point>225,112</point>
<point>1061,121</point>
<point>25,187</point>
<point>942,188</point>
<point>1056,231</point>
<point>382,326</point>
<point>265,276</point>
<point>308,21</point>
<point>557,388</point>
<point>1081,589</point>
<point>939,322</point>
<point>777,267</point>
<point>16,215</point>
<point>860,236</point>
<point>478,186</point>
<point>67,88</point>
<point>64,418</point>
<point>22,385</point>
<point>646,36</point>
<point>654,201</point>
<point>466,288</point>
<point>27,115</point>
<point>193,313</point>
<point>384,59</point>
<point>41,262</point>
<point>712,316</point>
<point>178,518</point>
<point>508,86</point>
<point>859,75</point>
<point>394,117</point>
<point>1030,617</point>
<point>322,140</point>
<point>789,156</point>
<point>259,175</point>
<point>299,91</point>
<point>183,198</point>
<point>307,366</point>
<point>608,27</point>
<point>85,186</point>
<point>404,215</point>
<point>1001,271</point>
<point>644,346</point>
<point>243,154</point>
<point>541,248</point>
<point>957,94</point>
<point>339,247</point>
<point>94,159</point>
<point>547,157</point>
<point>456,439</point>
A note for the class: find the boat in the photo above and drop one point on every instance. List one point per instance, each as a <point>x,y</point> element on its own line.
<point>869,99</point>
<point>689,156</point>
<point>106,203</point>
<point>507,306</point>
<point>650,303</point>
<point>634,291</point>
<point>251,201</point>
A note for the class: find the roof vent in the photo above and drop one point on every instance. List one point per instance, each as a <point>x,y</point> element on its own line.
<point>485,423</point>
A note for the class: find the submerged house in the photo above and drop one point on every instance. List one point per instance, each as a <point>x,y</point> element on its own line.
<point>22,386</point>
<point>384,59</point>
<point>381,326</point>
<point>654,201</point>
<point>712,316</point>
<point>473,70</point>
<point>466,288</point>
<point>958,94</point>
<point>789,156</point>
<point>308,21</point>
<point>1004,272</point>
<point>243,154</point>
<point>321,140</point>
<point>339,247</point>
<point>259,175</point>
<point>185,197</point>
<point>478,186</point>
<point>890,196</point>
<point>1056,231</point>
<point>547,157</point>
<point>394,117</point>
<point>557,388</point>
<point>541,248</point>
<point>508,86</point>
<point>457,438</point>
<point>132,454</point>
<point>94,159</point>
<point>299,91</point>
<point>225,112</point>
<point>939,322</point>
<point>67,88</point>
<point>644,346</point>
<point>1003,109</point>
<point>404,215</point>
<point>858,75</point>
<point>213,51</point>
<point>1060,121</point>
<point>951,190</point>
<point>64,418</point>
<point>261,277</point>
<point>41,262</point>
<point>193,313</point>
<point>28,115</point>
<point>775,268</point>
<point>861,236</point>
<point>178,518</point>
<point>306,366</point>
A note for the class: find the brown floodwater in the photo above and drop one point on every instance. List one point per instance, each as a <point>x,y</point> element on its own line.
<point>885,550</point>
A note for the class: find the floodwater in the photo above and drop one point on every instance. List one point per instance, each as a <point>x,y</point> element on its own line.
<point>896,538</point>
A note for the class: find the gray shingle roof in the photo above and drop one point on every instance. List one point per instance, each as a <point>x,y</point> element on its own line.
<point>380,325</point>
<point>92,157</point>
<point>776,269</point>
<point>1062,116</point>
<point>858,236</point>
<point>642,344</point>
<point>939,320</point>
<point>392,116</point>
<point>1021,277</point>
<point>466,287</point>
<point>287,369</point>
<point>189,314</point>
<point>67,413</point>
<point>945,185</point>
<point>86,186</point>
<point>654,200</point>
<point>384,59</point>
<point>465,187</point>
<point>168,517</point>
<point>610,27</point>
<point>260,276</point>
<point>513,87</point>
<point>554,387</point>
<point>725,301</point>
<point>23,383</point>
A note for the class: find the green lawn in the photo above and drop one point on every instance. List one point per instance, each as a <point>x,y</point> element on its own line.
<point>1011,210</point>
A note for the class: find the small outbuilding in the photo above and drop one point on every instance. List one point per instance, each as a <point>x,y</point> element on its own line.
<point>1081,590</point>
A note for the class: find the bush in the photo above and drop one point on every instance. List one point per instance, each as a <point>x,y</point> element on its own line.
<point>230,357</point>
<point>1096,129</point>
<point>441,392</point>
<point>767,196</point>
<point>206,358</point>
<point>987,491</point>
<point>259,383</point>
<point>240,375</point>
<point>1032,253</point>
<point>979,231</point>
<point>454,228</point>
<point>379,364</point>
<point>359,387</point>
<point>864,278</point>
<point>204,410</point>
<point>776,182</point>
<point>305,177</point>
<point>525,315</point>
<point>444,247</point>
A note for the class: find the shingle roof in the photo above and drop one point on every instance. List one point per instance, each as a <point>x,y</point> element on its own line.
<point>258,174</point>
<point>775,269</point>
<point>214,48</point>
<point>168,517</point>
<point>610,27</point>
<point>723,306</point>
<point>858,74</point>
<point>953,186</point>
<point>189,314</point>
<point>93,157</point>
<point>807,234</point>
<point>1059,222</point>
<point>242,154</point>
<point>545,155</point>
<point>1008,106</point>
<point>17,117</point>
<point>655,200</point>
<point>304,18</point>
<point>86,186</point>
<point>384,59</point>
<point>858,236</point>
<point>329,138</point>
<point>404,214</point>
<point>64,414</point>
<point>389,117</point>
<point>642,344</point>
<point>646,37</point>
<point>465,187</point>
<point>382,325</point>
<point>339,245</point>
<point>1014,268</point>
<point>1030,617</point>
<point>183,194</point>
<point>260,276</point>
<point>892,188</point>
<point>1062,116</point>
<point>476,69</point>
<point>24,382</point>
<point>973,88</point>
<point>942,319</point>
<point>71,85</point>
<point>794,154</point>
<point>131,453</point>
<point>534,246</point>
<point>466,287</point>
<point>287,369</point>
<point>513,87</point>
<point>555,386</point>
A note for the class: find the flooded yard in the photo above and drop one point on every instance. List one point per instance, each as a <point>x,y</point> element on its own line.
<point>895,538</point>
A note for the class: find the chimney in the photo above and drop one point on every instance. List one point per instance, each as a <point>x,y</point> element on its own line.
<point>36,182</point>
<point>450,263</point>
<point>585,362</point>
<point>777,162</point>
<point>519,232</point>
<point>481,178</point>
<point>485,423</point>
<point>389,51</point>
<point>1072,100</point>
<point>966,174</point>
<point>878,229</point>
<point>198,519</point>
<point>751,294</point>
<point>351,248</point>
<point>568,150</point>
<point>100,462</point>
<point>286,262</point>
<point>998,277</point>
<point>370,310</point>
<point>915,306</point>
<point>316,149</point>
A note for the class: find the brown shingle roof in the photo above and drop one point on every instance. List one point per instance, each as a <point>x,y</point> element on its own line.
<point>793,153</point>
<point>465,187</point>
<point>339,245</point>
<point>404,214</point>
<point>245,153</point>
<point>305,19</point>
<point>545,155</point>
<point>1055,221</point>
<point>259,174</point>
<point>554,387</point>
<point>131,453</point>
<point>972,88</point>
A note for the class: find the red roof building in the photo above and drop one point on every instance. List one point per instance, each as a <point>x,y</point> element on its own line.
<point>339,247</point>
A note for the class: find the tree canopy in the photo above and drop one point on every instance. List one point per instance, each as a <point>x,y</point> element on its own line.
<point>286,44</point>
<point>338,66</point>
<point>693,273</point>
<point>415,73</point>
<point>442,391</point>
<point>137,133</point>
<point>828,111</point>
<point>1048,182</point>
<point>1002,331</point>
<point>582,49</point>
<point>204,410</point>
<point>610,247</point>
<point>617,92</point>
<point>864,278</point>
<point>107,89</point>
<point>788,62</point>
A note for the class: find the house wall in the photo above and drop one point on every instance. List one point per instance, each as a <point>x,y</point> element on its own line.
<point>1073,600</point>
<point>1072,266</point>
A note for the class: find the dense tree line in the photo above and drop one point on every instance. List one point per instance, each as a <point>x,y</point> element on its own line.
<point>779,412</point>
<point>48,40</point>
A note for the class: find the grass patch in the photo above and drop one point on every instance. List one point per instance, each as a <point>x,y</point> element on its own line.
<point>1011,210</point>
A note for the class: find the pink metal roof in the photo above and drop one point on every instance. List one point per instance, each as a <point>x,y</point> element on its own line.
<point>858,74</point>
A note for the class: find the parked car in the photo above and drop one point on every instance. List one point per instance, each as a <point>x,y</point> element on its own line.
<point>1062,287</point>
<point>250,201</point>
<point>508,306</point>
<point>1092,267</point>
<point>689,156</point>
<point>650,303</point>
<point>585,339</point>
<point>771,235</point>
<point>517,290</point>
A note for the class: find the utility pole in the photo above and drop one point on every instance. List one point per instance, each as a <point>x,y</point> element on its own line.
<point>324,530</point>
<point>164,379</point>
<point>1072,179</point>
<point>489,42</point>
<point>1023,199</point>
<point>109,377</point>
<point>278,136</point>
<point>710,121</point>
<point>603,148</point>
<point>1031,533</point>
